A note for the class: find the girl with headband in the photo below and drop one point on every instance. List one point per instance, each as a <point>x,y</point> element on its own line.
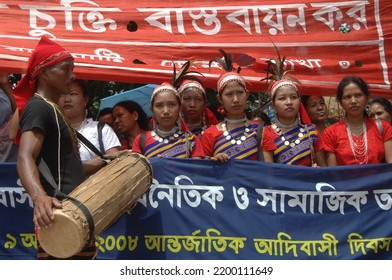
<point>193,107</point>
<point>234,137</point>
<point>170,137</point>
<point>291,138</point>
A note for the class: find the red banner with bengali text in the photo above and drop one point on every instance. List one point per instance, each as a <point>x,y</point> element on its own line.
<point>138,41</point>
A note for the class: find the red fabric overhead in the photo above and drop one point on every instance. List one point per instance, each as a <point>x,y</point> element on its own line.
<point>136,41</point>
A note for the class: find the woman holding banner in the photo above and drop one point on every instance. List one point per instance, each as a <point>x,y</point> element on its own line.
<point>236,136</point>
<point>291,138</point>
<point>170,137</point>
<point>357,139</point>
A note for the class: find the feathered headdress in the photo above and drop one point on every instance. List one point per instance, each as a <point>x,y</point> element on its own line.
<point>231,75</point>
<point>226,62</point>
<point>278,76</point>
<point>184,79</point>
<point>183,74</point>
<point>191,85</point>
<point>177,78</point>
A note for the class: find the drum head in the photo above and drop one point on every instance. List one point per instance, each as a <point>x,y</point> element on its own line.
<point>64,239</point>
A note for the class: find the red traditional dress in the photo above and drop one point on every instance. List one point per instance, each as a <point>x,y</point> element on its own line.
<point>214,142</point>
<point>181,145</point>
<point>336,140</point>
<point>296,145</point>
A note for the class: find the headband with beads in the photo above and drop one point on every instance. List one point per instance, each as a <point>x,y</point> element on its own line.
<point>188,84</point>
<point>282,83</point>
<point>162,88</point>
<point>230,77</point>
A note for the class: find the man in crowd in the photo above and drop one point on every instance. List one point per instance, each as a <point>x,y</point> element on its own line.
<point>46,139</point>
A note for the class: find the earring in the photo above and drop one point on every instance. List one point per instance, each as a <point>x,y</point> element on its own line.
<point>179,124</point>
<point>343,113</point>
<point>367,110</point>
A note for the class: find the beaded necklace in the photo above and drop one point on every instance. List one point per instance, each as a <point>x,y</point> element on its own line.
<point>166,136</point>
<point>286,142</point>
<point>360,149</point>
<point>239,139</point>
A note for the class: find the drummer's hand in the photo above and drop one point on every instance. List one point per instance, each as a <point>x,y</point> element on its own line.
<point>222,157</point>
<point>43,210</point>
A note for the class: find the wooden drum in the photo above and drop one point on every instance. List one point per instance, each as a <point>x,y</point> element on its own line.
<point>107,194</point>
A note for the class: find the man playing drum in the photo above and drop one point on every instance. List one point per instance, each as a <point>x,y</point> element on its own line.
<point>46,138</point>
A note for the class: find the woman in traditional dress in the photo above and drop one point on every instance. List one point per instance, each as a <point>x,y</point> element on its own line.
<point>236,136</point>
<point>193,107</point>
<point>170,137</point>
<point>357,138</point>
<point>291,138</point>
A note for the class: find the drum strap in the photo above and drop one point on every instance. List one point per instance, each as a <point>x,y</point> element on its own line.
<point>89,145</point>
<point>45,171</point>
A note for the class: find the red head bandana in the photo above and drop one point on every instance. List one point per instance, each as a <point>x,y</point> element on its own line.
<point>47,53</point>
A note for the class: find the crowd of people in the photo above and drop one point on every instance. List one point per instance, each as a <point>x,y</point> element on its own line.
<point>53,130</point>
